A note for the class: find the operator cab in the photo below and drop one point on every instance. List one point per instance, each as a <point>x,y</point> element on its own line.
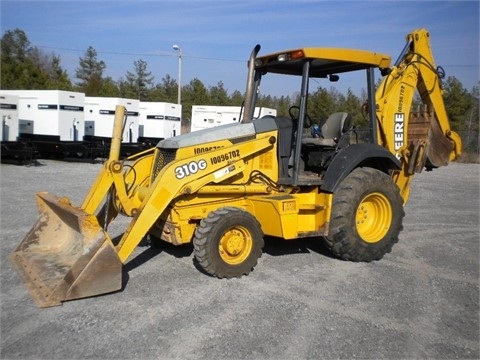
<point>311,155</point>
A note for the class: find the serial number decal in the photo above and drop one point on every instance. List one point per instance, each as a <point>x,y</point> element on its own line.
<point>191,168</point>
<point>201,150</point>
<point>400,99</point>
<point>225,157</point>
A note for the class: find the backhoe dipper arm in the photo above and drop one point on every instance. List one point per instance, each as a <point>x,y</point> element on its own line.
<point>415,70</point>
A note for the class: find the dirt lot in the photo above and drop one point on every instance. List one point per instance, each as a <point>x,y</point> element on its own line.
<point>420,301</point>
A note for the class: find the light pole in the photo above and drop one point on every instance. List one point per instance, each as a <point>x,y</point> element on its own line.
<point>179,49</point>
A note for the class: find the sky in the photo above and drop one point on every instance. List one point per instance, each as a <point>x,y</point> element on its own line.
<point>217,37</point>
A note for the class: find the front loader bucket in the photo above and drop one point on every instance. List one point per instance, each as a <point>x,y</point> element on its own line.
<point>66,255</point>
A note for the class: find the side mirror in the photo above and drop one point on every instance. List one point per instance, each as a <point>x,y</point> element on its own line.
<point>385,71</point>
<point>333,78</point>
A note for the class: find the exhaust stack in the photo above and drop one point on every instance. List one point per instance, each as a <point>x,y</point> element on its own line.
<point>250,91</point>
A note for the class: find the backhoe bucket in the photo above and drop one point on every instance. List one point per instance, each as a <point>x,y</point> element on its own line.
<point>66,255</point>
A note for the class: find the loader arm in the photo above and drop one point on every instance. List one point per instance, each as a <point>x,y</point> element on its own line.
<point>173,181</point>
<point>423,138</point>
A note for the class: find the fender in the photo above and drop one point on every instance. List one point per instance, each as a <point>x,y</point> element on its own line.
<point>356,155</point>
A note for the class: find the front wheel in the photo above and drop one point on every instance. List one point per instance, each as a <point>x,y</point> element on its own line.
<point>228,242</point>
<point>367,215</point>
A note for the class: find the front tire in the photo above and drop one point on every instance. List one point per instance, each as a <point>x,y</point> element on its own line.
<point>367,215</point>
<point>228,242</point>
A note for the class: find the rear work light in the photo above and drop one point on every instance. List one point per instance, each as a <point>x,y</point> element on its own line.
<point>297,54</point>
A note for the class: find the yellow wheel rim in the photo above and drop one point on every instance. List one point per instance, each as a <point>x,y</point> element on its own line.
<point>374,217</point>
<point>235,245</point>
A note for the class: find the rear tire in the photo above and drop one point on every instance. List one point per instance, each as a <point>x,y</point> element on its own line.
<point>367,215</point>
<point>228,242</point>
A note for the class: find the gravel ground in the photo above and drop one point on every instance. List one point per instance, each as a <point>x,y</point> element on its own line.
<point>419,302</point>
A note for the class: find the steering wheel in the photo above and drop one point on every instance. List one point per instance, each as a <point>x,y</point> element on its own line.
<point>294,112</point>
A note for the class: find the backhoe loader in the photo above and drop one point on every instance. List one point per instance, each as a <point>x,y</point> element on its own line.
<point>224,189</point>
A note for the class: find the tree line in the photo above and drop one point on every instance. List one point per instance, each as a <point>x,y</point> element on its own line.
<point>24,66</point>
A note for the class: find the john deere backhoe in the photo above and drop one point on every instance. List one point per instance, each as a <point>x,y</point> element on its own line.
<point>225,188</point>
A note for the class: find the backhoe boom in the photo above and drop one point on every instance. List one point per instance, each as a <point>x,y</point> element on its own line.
<point>422,138</point>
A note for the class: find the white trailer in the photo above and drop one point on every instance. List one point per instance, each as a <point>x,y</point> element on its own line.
<point>9,115</point>
<point>159,120</point>
<point>50,112</point>
<point>100,113</point>
<point>207,116</point>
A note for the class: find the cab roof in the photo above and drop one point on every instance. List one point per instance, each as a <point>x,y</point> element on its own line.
<point>323,61</point>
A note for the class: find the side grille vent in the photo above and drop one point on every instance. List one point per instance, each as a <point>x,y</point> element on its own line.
<point>163,157</point>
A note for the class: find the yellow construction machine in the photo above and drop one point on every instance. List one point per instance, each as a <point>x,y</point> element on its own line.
<point>225,188</point>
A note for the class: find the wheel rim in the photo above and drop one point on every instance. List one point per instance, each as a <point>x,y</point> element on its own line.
<point>374,217</point>
<point>235,245</point>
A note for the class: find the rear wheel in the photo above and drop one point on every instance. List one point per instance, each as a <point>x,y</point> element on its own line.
<point>367,215</point>
<point>228,242</point>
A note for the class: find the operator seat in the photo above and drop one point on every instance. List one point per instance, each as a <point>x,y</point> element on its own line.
<point>332,129</point>
<point>286,131</point>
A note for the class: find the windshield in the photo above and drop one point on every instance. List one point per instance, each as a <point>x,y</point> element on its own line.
<point>324,96</point>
